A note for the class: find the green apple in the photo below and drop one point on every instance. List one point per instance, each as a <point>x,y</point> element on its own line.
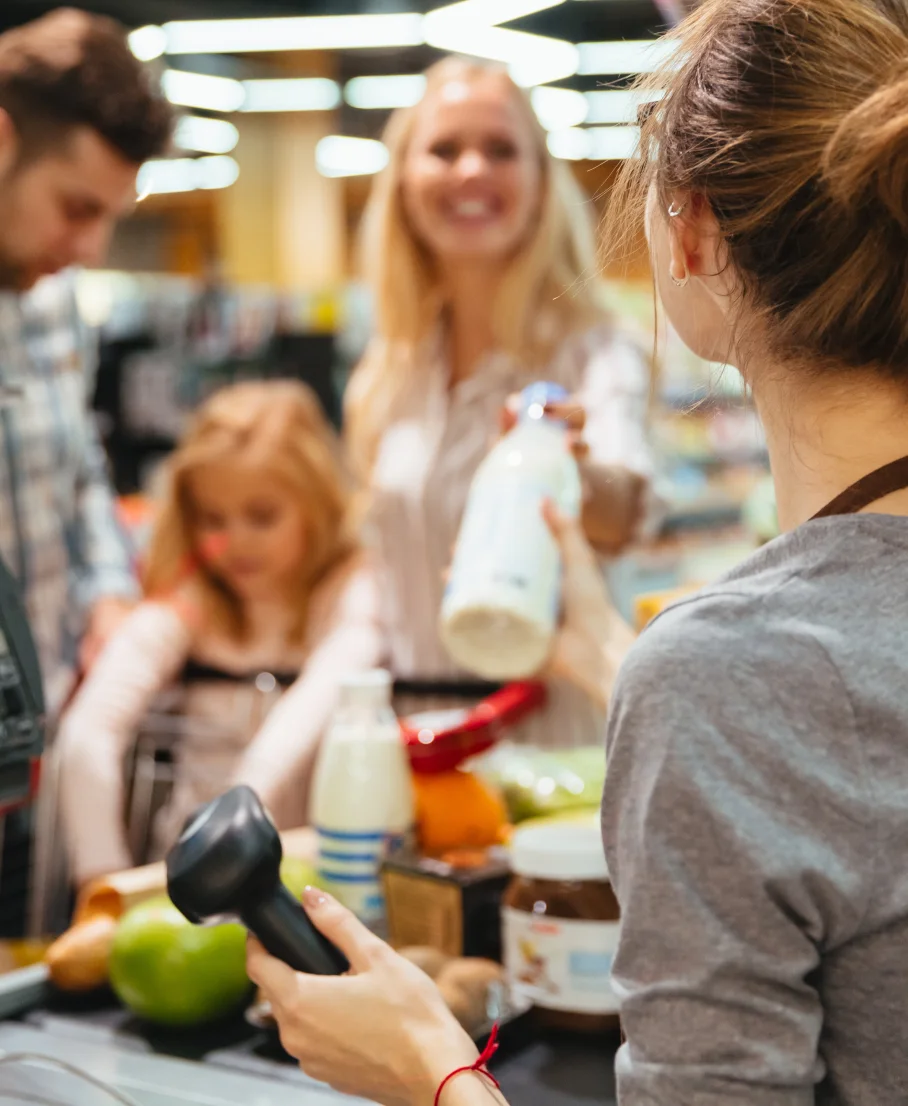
<point>297,875</point>
<point>169,971</point>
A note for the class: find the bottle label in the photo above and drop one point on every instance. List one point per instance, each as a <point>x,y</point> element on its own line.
<point>561,963</point>
<point>349,867</point>
<point>505,550</point>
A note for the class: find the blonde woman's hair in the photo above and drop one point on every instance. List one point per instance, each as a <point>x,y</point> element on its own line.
<point>547,293</point>
<point>789,118</point>
<point>280,426</point>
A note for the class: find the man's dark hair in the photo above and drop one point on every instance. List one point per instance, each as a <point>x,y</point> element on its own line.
<point>71,69</point>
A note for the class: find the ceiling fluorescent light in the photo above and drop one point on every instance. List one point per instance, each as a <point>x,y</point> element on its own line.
<point>186,174</point>
<point>572,144</point>
<point>198,90</point>
<point>617,105</point>
<point>148,43</point>
<point>489,12</point>
<point>613,143</point>
<point>531,59</point>
<point>385,92</point>
<point>340,156</point>
<point>595,143</point>
<point>559,108</point>
<point>620,58</point>
<point>206,136</point>
<point>314,32</point>
<point>292,94</point>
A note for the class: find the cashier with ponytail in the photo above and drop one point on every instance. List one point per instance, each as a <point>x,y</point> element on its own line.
<point>481,252</point>
<point>756,809</point>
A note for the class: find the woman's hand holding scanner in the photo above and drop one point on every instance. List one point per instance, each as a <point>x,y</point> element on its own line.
<point>382,1031</point>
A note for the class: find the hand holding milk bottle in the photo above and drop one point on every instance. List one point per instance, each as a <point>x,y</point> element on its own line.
<point>362,794</point>
<point>501,606</point>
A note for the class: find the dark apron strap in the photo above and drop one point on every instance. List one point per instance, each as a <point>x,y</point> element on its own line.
<point>874,486</point>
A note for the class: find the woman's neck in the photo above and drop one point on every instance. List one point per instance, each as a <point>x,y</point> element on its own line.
<point>471,291</point>
<point>824,435</point>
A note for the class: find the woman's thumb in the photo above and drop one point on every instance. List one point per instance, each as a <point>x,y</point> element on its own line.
<point>343,929</point>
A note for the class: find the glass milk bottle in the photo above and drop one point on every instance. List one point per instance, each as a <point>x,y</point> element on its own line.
<point>501,606</point>
<point>362,794</point>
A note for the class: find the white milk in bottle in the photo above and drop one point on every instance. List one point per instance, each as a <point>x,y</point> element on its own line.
<point>500,610</point>
<point>362,794</point>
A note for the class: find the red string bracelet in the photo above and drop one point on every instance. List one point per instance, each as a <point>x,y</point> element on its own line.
<point>479,1067</point>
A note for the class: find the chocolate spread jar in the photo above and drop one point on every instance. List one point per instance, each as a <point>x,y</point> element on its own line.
<point>560,919</point>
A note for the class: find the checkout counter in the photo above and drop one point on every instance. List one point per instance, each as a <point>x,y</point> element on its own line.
<point>228,1064</point>
<point>233,1064</point>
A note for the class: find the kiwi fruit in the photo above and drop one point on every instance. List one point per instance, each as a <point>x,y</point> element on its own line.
<point>427,959</point>
<point>469,1007</point>
<point>472,974</point>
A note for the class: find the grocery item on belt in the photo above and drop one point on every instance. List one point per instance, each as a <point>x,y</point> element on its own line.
<point>561,924</point>
<point>538,782</point>
<point>362,794</point>
<point>501,605</point>
<point>450,903</point>
<point>458,810</point>
<point>170,972</point>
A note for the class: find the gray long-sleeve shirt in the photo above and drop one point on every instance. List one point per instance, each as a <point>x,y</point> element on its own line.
<point>756,827</point>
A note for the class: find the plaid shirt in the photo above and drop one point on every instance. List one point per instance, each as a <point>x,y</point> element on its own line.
<point>58,528</point>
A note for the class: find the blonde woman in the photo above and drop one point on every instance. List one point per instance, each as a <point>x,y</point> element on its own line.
<point>250,574</point>
<point>481,253</point>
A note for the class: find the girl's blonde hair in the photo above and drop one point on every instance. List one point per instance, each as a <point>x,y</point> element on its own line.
<point>548,291</point>
<point>280,426</point>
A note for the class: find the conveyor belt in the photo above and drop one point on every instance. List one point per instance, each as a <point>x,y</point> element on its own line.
<point>148,1079</point>
<point>204,1067</point>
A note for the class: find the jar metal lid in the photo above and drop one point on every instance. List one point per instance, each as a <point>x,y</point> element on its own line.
<point>570,850</point>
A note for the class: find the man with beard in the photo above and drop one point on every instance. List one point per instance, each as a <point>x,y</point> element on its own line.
<point>78,116</point>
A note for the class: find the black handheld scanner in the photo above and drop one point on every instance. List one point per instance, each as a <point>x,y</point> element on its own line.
<point>227,864</point>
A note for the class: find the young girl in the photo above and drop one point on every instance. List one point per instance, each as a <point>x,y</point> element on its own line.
<point>252,586</point>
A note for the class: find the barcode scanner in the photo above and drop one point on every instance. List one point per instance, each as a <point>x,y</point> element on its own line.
<point>226,866</point>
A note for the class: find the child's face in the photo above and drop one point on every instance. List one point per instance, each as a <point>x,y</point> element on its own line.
<point>249,528</point>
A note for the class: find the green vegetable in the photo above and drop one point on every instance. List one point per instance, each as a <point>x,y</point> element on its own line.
<point>539,782</point>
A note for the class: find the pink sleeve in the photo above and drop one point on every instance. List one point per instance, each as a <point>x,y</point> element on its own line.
<point>141,659</point>
<point>346,636</point>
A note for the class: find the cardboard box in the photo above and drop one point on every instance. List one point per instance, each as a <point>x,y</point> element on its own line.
<point>452,904</point>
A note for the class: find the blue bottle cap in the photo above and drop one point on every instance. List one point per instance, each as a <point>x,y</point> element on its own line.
<point>536,397</point>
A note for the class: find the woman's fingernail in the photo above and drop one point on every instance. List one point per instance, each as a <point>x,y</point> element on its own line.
<point>314,897</point>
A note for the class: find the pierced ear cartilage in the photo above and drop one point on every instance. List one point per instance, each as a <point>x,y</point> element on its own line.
<point>674,212</point>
